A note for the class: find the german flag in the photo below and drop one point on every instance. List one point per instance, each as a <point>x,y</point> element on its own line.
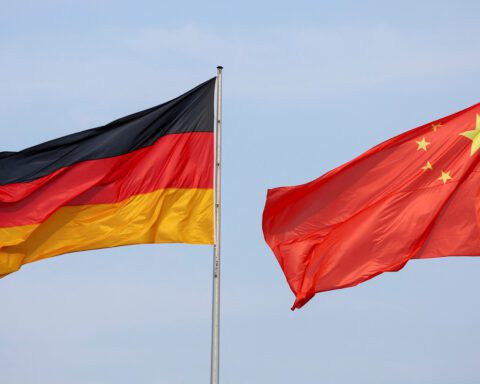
<point>145,178</point>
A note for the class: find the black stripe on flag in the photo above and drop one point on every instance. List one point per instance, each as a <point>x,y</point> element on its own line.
<point>191,112</point>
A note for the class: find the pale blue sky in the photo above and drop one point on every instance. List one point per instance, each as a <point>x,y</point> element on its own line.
<point>307,86</point>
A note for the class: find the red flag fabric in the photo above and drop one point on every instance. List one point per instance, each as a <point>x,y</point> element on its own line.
<point>415,196</point>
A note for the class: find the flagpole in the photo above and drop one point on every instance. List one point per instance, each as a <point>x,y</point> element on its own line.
<point>215,358</point>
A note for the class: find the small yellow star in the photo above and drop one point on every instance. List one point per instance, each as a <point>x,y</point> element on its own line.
<point>445,177</point>
<point>427,166</point>
<point>422,144</point>
<point>436,126</point>
<point>474,135</point>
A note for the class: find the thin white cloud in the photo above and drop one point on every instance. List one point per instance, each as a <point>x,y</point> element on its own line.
<point>279,63</point>
<point>282,64</point>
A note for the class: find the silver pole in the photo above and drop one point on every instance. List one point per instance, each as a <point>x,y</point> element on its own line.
<point>215,363</point>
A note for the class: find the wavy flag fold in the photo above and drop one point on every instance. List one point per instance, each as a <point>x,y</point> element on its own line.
<point>145,178</point>
<point>415,196</point>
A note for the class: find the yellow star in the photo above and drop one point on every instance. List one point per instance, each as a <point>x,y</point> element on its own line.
<point>436,126</point>
<point>427,166</point>
<point>422,144</point>
<point>474,135</point>
<point>445,177</point>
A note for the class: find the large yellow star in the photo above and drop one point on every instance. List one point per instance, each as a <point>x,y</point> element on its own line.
<point>445,177</point>
<point>474,135</point>
<point>422,144</point>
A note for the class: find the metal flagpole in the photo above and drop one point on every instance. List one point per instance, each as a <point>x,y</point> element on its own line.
<point>215,362</point>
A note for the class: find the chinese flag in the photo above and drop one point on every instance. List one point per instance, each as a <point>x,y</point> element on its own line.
<point>415,196</point>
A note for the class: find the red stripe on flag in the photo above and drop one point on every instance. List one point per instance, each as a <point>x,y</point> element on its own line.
<point>174,161</point>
